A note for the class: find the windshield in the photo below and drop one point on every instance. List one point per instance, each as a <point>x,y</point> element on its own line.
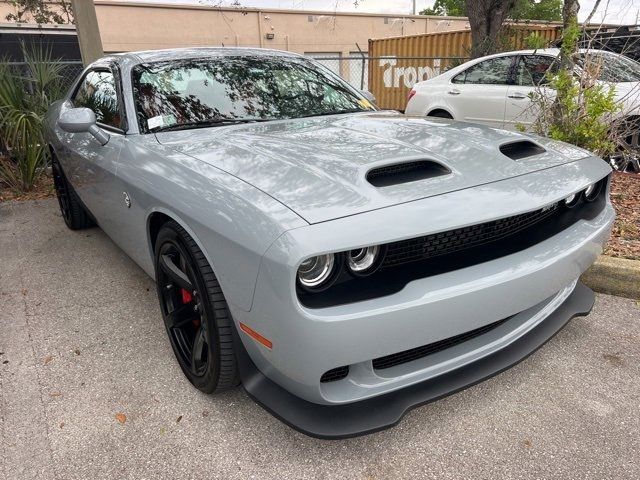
<point>609,67</point>
<point>218,91</point>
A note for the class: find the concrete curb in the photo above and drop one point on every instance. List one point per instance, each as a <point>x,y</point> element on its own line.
<point>614,276</point>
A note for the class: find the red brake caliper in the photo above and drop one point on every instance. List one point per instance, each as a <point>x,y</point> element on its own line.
<point>186,296</point>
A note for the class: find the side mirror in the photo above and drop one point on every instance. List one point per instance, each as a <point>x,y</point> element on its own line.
<point>368,95</point>
<point>82,120</point>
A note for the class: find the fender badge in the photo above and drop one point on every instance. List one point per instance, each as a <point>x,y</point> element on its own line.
<point>127,200</point>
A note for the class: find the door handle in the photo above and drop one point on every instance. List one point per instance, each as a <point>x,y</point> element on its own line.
<point>517,95</point>
<point>454,91</point>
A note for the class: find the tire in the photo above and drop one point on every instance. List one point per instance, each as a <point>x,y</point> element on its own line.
<point>440,114</point>
<point>73,212</point>
<point>194,311</point>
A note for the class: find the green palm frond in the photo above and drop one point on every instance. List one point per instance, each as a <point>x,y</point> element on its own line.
<point>25,96</point>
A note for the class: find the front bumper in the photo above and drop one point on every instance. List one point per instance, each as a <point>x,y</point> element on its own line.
<point>383,411</point>
<point>527,287</point>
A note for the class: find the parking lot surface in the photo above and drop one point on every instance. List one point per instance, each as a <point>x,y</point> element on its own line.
<point>89,388</point>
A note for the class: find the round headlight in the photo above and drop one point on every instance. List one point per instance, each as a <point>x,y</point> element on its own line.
<point>592,191</point>
<point>572,200</point>
<point>362,260</point>
<point>315,271</point>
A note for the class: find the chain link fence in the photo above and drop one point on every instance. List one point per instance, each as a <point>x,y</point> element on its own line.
<point>354,70</point>
<point>69,72</point>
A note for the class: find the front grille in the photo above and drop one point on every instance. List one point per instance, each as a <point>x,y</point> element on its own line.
<point>451,241</point>
<point>421,352</point>
<point>335,374</point>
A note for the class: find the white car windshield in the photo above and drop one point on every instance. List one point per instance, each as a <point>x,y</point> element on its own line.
<point>609,67</point>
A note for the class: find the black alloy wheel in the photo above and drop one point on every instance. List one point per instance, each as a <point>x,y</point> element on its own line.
<point>195,313</point>
<point>627,157</point>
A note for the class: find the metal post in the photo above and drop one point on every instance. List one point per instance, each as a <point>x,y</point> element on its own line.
<point>363,65</point>
<point>261,40</point>
<point>84,12</point>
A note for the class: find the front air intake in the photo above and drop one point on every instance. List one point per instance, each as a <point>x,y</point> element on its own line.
<point>398,173</point>
<point>521,149</point>
<point>425,350</point>
<point>335,374</point>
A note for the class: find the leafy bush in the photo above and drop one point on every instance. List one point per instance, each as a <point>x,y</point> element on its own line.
<point>582,109</point>
<point>580,113</point>
<point>26,91</point>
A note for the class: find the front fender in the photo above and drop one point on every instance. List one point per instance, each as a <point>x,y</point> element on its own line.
<point>232,222</point>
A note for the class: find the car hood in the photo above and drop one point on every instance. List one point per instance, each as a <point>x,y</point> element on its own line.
<point>318,166</point>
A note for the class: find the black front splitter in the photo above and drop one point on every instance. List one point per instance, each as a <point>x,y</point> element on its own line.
<point>384,411</point>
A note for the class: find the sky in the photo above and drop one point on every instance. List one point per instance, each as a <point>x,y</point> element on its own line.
<point>610,11</point>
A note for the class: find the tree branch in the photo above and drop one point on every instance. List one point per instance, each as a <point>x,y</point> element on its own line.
<point>595,7</point>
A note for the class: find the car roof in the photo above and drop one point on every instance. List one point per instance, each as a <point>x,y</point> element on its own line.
<point>147,56</point>
<point>542,51</point>
<point>554,52</point>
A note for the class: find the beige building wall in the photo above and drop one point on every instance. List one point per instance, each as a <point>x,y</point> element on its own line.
<point>127,26</point>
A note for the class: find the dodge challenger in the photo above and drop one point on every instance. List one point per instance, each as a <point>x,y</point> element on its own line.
<point>344,264</point>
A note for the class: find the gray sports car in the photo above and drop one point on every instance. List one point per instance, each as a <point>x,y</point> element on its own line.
<point>344,263</point>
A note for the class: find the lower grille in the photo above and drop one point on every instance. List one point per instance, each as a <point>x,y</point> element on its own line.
<point>452,241</point>
<point>335,374</point>
<point>420,352</point>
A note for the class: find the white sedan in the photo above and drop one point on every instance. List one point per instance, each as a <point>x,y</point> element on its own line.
<point>496,90</point>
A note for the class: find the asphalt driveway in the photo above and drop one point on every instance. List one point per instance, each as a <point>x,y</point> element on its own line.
<point>89,389</point>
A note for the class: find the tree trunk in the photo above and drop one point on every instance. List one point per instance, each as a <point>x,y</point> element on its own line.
<point>570,11</point>
<point>570,32</point>
<point>485,19</point>
<point>570,36</point>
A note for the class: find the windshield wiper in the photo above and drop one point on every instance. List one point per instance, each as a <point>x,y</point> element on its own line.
<point>214,122</point>
<point>336,112</point>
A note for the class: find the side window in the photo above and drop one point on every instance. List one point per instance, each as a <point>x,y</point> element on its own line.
<point>495,71</point>
<point>98,92</point>
<point>533,68</point>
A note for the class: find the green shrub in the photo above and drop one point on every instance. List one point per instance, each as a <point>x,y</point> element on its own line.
<point>581,113</point>
<point>25,95</point>
<point>582,108</point>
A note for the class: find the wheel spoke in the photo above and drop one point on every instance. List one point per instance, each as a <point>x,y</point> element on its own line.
<point>176,276</point>
<point>199,347</point>
<point>181,316</point>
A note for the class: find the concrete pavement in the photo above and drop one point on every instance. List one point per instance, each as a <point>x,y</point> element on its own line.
<point>89,388</point>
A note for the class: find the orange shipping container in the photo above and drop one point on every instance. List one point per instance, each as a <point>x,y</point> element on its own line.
<point>397,63</point>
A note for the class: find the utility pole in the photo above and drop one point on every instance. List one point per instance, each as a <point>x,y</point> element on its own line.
<point>415,7</point>
<point>84,12</point>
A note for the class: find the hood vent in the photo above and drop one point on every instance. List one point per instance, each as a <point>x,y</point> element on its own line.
<point>521,149</point>
<point>398,173</point>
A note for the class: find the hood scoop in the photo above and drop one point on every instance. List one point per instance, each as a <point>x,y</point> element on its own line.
<point>521,149</point>
<point>397,173</point>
